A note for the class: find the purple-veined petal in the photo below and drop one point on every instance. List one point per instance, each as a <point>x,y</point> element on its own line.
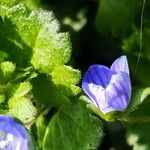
<point>108,89</point>
<point>100,98</point>
<point>115,97</point>
<point>8,124</point>
<point>120,82</point>
<point>96,94</point>
<point>12,134</point>
<point>118,92</point>
<point>98,77</point>
<point>114,104</point>
<point>120,65</point>
<point>98,74</point>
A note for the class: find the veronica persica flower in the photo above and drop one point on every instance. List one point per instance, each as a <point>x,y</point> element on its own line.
<point>109,89</point>
<point>13,136</point>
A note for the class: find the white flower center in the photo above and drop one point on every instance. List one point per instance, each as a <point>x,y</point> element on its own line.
<point>8,140</point>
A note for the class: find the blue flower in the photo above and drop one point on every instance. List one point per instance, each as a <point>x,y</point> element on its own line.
<point>109,89</point>
<point>13,136</point>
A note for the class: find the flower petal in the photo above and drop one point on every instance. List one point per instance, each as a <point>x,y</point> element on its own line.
<point>99,95</point>
<point>97,74</point>
<point>95,80</point>
<point>118,92</point>
<point>115,97</point>
<point>8,126</point>
<point>109,89</point>
<point>120,65</point>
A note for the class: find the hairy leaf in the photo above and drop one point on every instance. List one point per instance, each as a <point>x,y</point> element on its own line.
<point>73,128</point>
<point>137,99</point>
<point>20,104</point>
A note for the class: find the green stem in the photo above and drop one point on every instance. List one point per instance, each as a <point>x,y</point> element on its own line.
<point>40,111</point>
<point>136,119</point>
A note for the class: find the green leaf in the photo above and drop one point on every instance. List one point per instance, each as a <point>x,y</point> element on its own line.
<point>115,17</point>
<point>51,47</point>
<point>137,99</point>
<point>20,104</point>
<point>7,2</point>
<point>68,77</point>
<point>131,45</point>
<point>13,43</point>
<point>56,88</point>
<point>41,128</point>
<point>47,93</point>
<point>73,128</point>
<point>8,69</point>
<point>32,4</point>
<point>138,136</point>
<point>2,99</point>
<point>3,56</point>
<point>141,72</point>
<point>23,109</point>
<point>139,128</point>
<point>33,37</point>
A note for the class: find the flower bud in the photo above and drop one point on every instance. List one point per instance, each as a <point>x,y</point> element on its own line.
<point>109,89</point>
